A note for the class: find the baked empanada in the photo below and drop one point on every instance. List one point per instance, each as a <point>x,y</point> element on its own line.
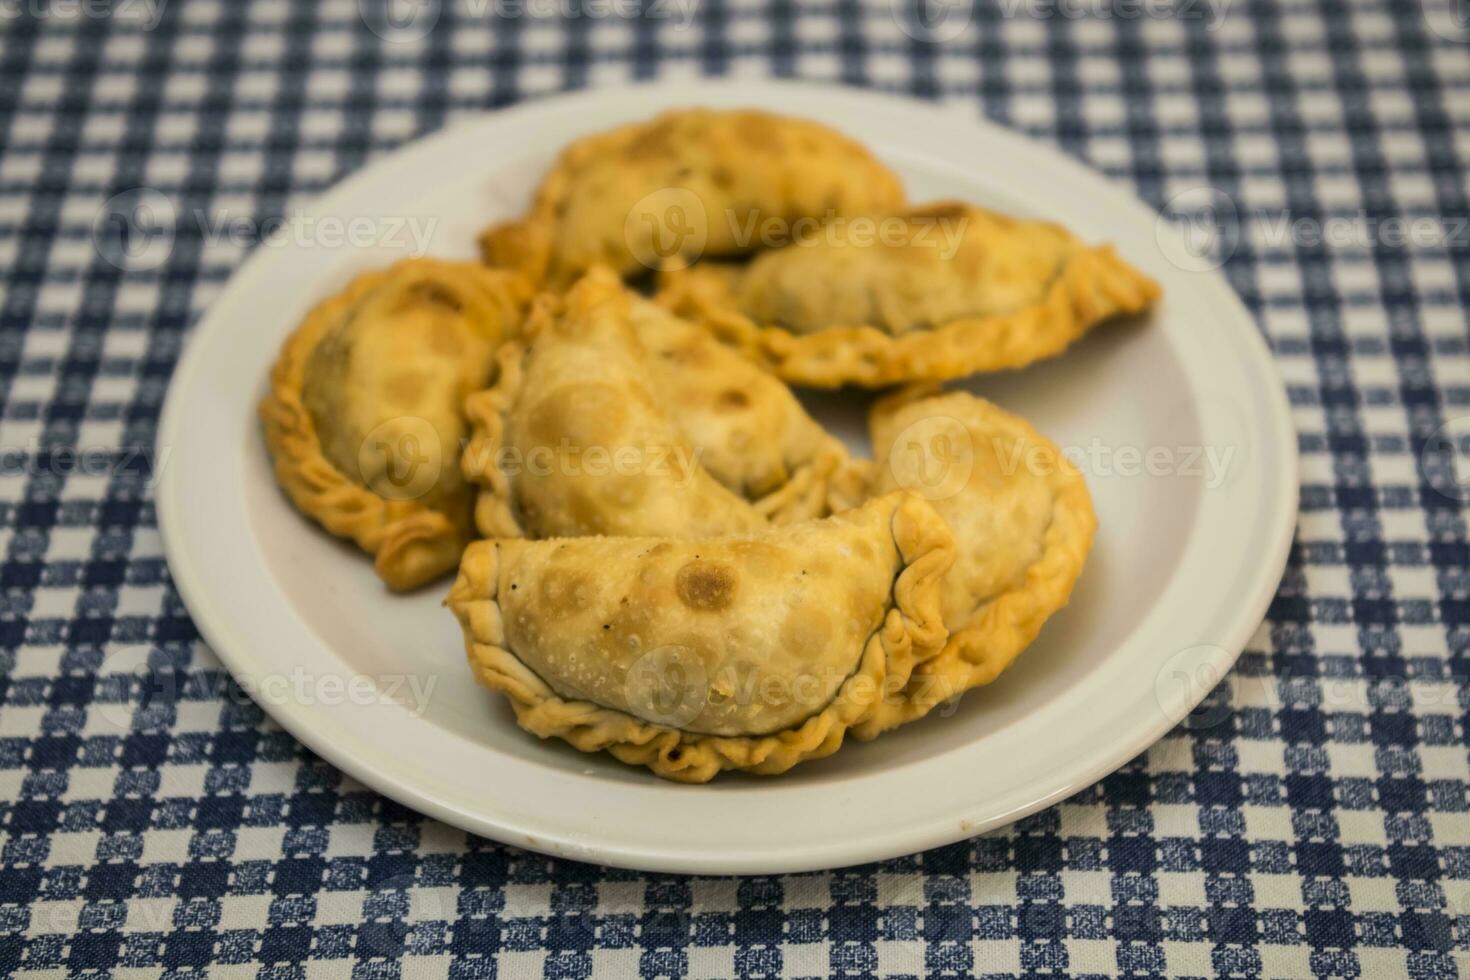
<point>1022,522</point>
<point>751,432</point>
<point>573,438</point>
<point>364,416</point>
<point>688,183</point>
<point>936,292</point>
<point>751,652</point>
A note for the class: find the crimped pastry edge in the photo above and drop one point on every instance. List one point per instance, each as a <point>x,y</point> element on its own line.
<point>412,544</point>
<point>809,491</point>
<point>911,632</point>
<point>525,244</point>
<point>978,652</point>
<point>1093,285</point>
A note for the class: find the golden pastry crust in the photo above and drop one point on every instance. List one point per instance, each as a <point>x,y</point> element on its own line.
<point>752,652</point>
<point>572,439</point>
<point>1001,294</point>
<point>753,434</point>
<point>382,366</point>
<point>687,183</point>
<point>1023,525</point>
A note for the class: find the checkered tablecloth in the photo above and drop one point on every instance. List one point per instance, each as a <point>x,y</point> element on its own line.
<point>1313,820</point>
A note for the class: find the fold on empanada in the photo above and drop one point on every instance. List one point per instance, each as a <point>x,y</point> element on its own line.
<point>929,294</point>
<point>686,184</point>
<point>364,416</point>
<point>573,438</point>
<point>1022,521</point>
<point>752,652</point>
<point>752,433</point>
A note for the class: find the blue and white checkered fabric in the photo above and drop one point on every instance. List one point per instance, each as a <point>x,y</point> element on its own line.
<point>1312,820</point>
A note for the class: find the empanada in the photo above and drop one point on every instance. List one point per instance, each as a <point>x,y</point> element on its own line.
<point>936,292</point>
<point>751,652</point>
<point>688,183</point>
<point>364,415</point>
<point>751,432</point>
<point>573,437</point>
<point>1022,522</point>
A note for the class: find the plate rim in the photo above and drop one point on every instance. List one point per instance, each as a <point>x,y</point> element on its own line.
<point>295,719</point>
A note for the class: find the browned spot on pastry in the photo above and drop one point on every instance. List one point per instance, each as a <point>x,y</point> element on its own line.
<point>443,337</point>
<point>941,209</point>
<point>806,629</point>
<point>432,293</point>
<point>732,398</point>
<point>692,352</point>
<point>707,586</point>
<point>757,133</point>
<point>565,589</point>
<point>584,415</point>
<point>653,142</point>
<point>406,387</point>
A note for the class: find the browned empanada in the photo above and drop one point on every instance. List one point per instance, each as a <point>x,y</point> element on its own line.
<point>1022,522</point>
<point>573,437</point>
<point>364,415</point>
<point>688,183</point>
<point>751,652</point>
<point>933,293</point>
<point>751,432</point>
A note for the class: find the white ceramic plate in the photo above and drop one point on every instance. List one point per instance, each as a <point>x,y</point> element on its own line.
<point>1187,557</point>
